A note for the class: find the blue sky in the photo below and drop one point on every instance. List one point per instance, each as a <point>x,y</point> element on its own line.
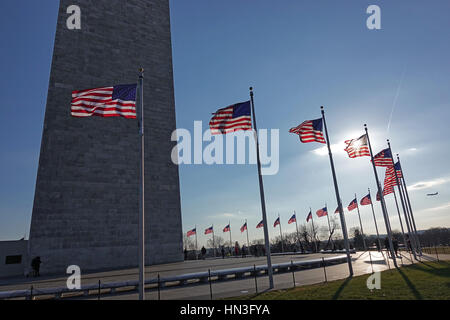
<point>298,55</point>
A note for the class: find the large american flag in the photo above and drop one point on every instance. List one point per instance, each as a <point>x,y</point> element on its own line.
<point>358,147</point>
<point>366,200</point>
<point>322,212</point>
<point>233,118</point>
<point>227,228</point>
<point>383,159</point>
<point>353,205</point>
<point>209,230</point>
<point>192,232</point>
<point>310,131</point>
<point>244,227</point>
<point>398,168</point>
<point>117,101</point>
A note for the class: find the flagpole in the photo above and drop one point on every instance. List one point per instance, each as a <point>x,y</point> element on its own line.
<point>413,224</point>
<point>141,236</point>
<point>196,246</point>
<point>231,242</point>
<point>375,221</point>
<point>413,240</point>
<point>383,204</point>
<point>338,198</point>
<point>314,230</point>
<point>400,217</point>
<point>405,212</point>
<point>281,235</point>
<point>360,223</point>
<point>248,242</point>
<point>298,235</point>
<point>214,244</point>
<point>261,191</point>
<point>329,227</point>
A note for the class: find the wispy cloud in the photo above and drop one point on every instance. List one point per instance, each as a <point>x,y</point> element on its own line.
<point>439,208</point>
<point>225,215</point>
<point>429,184</point>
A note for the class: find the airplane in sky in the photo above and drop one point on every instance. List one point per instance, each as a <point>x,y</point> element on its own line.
<point>432,194</point>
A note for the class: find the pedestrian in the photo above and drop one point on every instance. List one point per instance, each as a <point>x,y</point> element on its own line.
<point>223,253</point>
<point>395,244</point>
<point>203,252</point>
<point>185,254</point>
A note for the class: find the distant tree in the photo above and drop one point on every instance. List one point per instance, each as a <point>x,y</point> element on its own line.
<point>435,237</point>
<point>358,242</point>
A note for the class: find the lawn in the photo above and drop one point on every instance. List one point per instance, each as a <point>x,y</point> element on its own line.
<point>422,281</point>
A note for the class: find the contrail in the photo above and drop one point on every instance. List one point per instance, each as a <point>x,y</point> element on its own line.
<point>394,104</point>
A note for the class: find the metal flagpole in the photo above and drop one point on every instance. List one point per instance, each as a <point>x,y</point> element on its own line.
<point>141,254</point>
<point>360,223</point>
<point>329,227</point>
<point>248,242</point>
<point>314,230</point>
<point>410,208</point>
<point>383,204</point>
<point>338,198</point>
<point>281,235</point>
<point>196,247</point>
<point>214,243</point>
<point>261,191</point>
<point>412,237</point>
<point>298,235</point>
<point>375,221</point>
<point>231,242</point>
<point>400,217</point>
<point>402,201</point>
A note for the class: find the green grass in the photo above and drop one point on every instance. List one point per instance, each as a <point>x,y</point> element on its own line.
<point>422,281</point>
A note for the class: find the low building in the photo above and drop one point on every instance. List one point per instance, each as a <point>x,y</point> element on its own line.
<point>13,258</point>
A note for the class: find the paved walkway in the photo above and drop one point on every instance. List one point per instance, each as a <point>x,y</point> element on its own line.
<point>363,263</point>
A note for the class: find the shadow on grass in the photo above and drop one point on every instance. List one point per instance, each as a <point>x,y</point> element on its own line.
<point>341,288</point>
<point>410,285</point>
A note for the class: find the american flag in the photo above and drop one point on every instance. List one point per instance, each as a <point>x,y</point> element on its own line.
<point>277,222</point>
<point>309,217</point>
<point>310,131</point>
<point>292,219</point>
<point>353,205</point>
<point>398,168</point>
<point>209,230</point>
<point>384,159</point>
<point>227,228</point>
<point>322,212</point>
<point>244,227</point>
<point>260,225</point>
<point>388,190</point>
<point>193,232</point>
<point>358,147</point>
<point>233,118</point>
<point>389,180</point>
<point>117,101</point>
<point>366,200</point>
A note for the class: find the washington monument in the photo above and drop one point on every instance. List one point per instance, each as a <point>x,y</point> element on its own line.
<point>86,205</point>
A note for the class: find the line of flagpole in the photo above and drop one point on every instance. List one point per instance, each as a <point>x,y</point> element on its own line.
<point>338,198</point>
<point>261,191</point>
<point>402,202</point>
<point>248,242</point>
<point>298,235</point>
<point>329,227</point>
<point>383,204</point>
<point>410,208</point>
<point>399,216</point>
